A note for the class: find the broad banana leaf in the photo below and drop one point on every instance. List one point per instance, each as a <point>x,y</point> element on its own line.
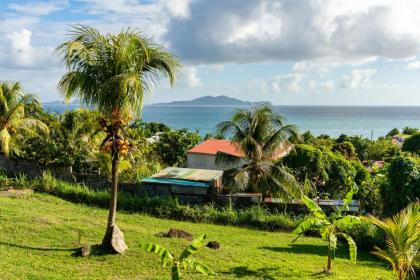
<point>165,255</point>
<point>199,266</point>
<point>310,223</point>
<point>313,207</point>
<point>352,246</point>
<point>348,198</point>
<point>193,247</point>
<point>349,220</point>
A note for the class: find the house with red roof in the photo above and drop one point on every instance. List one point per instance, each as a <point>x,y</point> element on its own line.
<point>204,154</point>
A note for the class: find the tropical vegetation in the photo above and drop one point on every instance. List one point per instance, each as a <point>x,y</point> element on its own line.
<point>184,261</point>
<point>14,123</point>
<point>402,240</point>
<point>329,227</point>
<point>261,136</point>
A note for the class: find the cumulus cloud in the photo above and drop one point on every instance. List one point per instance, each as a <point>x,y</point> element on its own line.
<point>21,53</point>
<point>358,78</point>
<point>413,65</point>
<point>290,82</point>
<point>334,30</point>
<point>189,77</point>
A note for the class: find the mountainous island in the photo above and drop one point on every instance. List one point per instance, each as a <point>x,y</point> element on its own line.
<point>221,100</point>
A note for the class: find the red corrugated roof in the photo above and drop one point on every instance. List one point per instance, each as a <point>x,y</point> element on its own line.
<point>212,146</point>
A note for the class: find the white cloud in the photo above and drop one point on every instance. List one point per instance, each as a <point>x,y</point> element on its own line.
<point>190,78</point>
<point>179,8</point>
<point>21,53</point>
<point>328,86</point>
<point>332,30</point>
<point>38,8</point>
<point>413,65</point>
<point>290,82</point>
<point>358,78</point>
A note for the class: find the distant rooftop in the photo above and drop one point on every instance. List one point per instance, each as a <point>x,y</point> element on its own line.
<point>213,146</point>
<point>203,175</point>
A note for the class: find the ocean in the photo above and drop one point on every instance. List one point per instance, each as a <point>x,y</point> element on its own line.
<point>368,121</point>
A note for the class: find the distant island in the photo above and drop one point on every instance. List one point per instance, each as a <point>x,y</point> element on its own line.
<point>221,100</point>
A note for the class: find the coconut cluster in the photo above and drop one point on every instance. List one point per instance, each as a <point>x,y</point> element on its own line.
<point>123,146</point>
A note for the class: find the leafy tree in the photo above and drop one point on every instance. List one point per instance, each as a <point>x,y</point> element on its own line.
<point>324,140</point>
<point>173,145</point>
<point>402,239</point>
<point>184,261</point>
<point>13,120</point>
<point>402,185</point>
<point>150,128</point>
<point>412,144</point>
<point>71,140</point>
<point>361,145</point>
<point>307,137</point>
<point>410,130</point>
<point>342,138</point>
<point>260,135</point>
<point>382,149</point>
<point>393,132</point>
<point>112,73</point>
<point>329,227</point>
<point>346,148</point>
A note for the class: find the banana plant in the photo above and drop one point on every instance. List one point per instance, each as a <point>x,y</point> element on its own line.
<point>184,261</point>
<point>329,227</point>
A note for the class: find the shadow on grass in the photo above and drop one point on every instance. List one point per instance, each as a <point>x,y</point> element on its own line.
<point>244,271</point>
<point>37,248</point>
<point>321,250</point>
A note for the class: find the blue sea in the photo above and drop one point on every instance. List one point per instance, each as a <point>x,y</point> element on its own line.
<point>368,121</point>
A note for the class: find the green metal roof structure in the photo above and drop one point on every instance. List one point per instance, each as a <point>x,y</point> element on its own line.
<point>169,181</point>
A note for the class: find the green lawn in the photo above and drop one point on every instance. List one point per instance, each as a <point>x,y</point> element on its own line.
<point>39,233</point>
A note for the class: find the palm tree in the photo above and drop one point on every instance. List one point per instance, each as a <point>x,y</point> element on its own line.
<point>261,136</point>
<point>13,120</point>
<point>111,73</point>
<point>402,239</point>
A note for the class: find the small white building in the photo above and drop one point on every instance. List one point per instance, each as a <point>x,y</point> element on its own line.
<point>203,155</point>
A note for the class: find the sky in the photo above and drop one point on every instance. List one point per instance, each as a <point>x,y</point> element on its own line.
<point>288,52</point>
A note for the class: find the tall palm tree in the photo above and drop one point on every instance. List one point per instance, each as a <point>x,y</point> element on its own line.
<point>261,136</point>
<point>13,120</point>
<point>402,239</point>
<point>111,73</point>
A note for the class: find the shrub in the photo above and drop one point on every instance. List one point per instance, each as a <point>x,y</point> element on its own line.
<point>402,185</point>
<point>410,130</point>
<point>393,132</point>
<point>346,148</point>
<point>412,144</point>
<point>382,149</point>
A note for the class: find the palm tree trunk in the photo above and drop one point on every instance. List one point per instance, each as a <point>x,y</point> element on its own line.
<point>114,238</point>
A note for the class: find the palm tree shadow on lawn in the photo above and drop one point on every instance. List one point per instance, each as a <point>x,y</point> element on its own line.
<point>95,250</point>
<point>321,250</point>
<point>58,249</point>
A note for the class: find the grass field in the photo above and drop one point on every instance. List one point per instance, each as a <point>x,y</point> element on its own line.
<point>39,235</point>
